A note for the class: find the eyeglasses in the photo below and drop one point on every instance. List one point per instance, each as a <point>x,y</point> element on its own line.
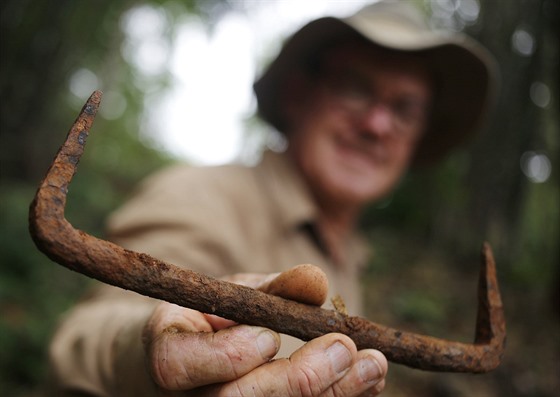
<point>356,95</point>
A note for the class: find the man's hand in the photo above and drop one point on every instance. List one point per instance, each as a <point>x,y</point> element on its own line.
<point>209,356</point>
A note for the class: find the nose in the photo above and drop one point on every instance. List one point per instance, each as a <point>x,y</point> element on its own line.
<point>377,120</point>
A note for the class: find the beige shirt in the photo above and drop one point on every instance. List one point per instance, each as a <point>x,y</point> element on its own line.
<point>215,220</point>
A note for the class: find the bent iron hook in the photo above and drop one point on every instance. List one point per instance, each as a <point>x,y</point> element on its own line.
<point>112,264</point>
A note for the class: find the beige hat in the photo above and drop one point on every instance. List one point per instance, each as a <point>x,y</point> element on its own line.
<point>466,73</point>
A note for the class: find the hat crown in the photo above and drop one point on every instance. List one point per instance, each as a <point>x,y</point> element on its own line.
<point>395,25</point>
<point>398,12</point>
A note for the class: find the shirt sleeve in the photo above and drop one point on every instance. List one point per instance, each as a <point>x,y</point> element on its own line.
<point>97,349</point>
<point>189,217</point>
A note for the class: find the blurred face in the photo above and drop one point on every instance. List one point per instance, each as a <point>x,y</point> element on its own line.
<point>355,132</point>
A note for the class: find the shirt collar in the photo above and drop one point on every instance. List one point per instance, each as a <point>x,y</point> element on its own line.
<point>292,201</point>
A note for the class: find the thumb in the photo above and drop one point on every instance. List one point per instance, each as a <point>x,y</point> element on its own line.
<point>303,283</point>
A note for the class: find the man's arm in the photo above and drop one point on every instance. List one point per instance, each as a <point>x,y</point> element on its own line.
<point>122,344</point>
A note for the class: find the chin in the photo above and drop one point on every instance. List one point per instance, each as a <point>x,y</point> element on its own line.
<point>370,189</point>
<point>359,193</point>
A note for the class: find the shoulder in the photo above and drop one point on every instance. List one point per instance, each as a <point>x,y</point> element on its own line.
<point>184,183</point>
<point>181,177</point>
<point>182,192</point>
<point>194,215</point>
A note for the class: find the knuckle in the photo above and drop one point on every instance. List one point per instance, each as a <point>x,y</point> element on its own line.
<point>161,370</point>
<point>337,391</point>
<point>227,354</point>
<point>167,368</point>
<point>307,382</point>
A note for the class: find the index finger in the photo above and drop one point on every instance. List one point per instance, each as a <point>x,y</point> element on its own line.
<point>303,283</point>
<point>186,360</point>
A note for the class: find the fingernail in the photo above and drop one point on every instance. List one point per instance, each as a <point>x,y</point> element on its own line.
<point>340,357</point>
<point>268,344</point>
<point>369,370</point>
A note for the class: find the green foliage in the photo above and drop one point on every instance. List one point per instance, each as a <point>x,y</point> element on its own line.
<point>27,278</point>
<point>43,44</point>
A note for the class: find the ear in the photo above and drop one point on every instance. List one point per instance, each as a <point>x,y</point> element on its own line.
<point>294,98</point>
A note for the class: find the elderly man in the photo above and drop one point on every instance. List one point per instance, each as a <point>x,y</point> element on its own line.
<point>359,100</point>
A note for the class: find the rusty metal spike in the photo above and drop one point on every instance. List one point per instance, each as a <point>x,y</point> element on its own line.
<point>114,265</point>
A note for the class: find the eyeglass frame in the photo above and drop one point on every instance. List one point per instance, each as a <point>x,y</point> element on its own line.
<point>356,94</point>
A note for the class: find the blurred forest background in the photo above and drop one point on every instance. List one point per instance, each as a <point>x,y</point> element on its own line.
<point>503,187</point>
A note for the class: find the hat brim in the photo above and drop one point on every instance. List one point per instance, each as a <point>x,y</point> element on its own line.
<point>465,73</point>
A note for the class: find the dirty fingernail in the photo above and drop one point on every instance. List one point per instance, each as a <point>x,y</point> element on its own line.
<point>369,370</point>
<point>339,356</point>
<point>268,344</point>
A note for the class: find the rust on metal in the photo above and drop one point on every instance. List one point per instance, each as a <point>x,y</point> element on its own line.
<point>146,275</point>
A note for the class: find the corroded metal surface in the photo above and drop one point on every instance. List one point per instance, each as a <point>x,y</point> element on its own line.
<point>114,265</point>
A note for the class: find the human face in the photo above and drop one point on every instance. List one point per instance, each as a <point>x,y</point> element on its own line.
<point>354,134</point>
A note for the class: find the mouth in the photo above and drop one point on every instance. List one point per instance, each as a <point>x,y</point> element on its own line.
<point>360,152</point>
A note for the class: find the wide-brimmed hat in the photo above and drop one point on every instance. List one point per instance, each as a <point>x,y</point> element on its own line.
<point>466,73</point>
